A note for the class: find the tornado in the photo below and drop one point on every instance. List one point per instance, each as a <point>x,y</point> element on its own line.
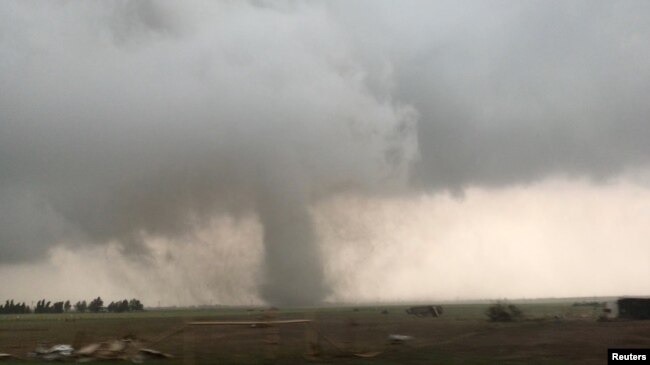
<point>127,122</point>
<point>293,268</point>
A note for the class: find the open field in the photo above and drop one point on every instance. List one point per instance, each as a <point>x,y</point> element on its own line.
<point>554,333</point>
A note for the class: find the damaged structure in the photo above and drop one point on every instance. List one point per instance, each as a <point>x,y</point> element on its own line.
<point>425,311</point>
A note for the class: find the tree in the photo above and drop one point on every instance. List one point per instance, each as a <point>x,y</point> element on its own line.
<point>57,307</point>
<point>123,306</point>
<point>11,307</point>
<point>67,306</point>
<point>135,305</point>
<point>40,306</point>
<point>96,305</point>
<point>81,306</point>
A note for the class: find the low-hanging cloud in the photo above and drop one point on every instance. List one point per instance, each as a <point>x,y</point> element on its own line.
<point>510,92</point>
<point>513,92</point>
<point>142,119</point>
<point>131,119</point>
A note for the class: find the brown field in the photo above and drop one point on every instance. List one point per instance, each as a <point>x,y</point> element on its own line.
<point>551,334</point>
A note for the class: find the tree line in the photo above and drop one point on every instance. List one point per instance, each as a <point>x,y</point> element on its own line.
<point>14,308</point>
<point>94,306</point>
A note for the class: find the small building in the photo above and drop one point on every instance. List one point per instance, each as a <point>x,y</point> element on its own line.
<point>634,308</point>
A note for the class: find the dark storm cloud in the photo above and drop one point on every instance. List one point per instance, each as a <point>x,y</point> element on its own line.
<point>134,119</point>
<point>518,91</point>
<point>126,119</point>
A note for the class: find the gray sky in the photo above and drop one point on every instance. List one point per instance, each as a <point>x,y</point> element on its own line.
<point>239,146</point>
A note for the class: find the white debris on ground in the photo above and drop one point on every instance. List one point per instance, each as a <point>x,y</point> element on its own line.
<point>54,353</point>
<point>4,356</point>
<point>149,353</point>
<point>398,339</point>
<point>124,349</point>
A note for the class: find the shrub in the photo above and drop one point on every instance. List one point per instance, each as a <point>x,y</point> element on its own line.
<point>503,312</point>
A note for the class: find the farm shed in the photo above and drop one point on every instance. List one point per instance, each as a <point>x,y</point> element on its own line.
<point>634,308</point>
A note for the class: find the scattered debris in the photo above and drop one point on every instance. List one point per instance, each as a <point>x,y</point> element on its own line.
<point>65,350</point>
<point>109,350</point>
<point>54,353</point>
<point>124,349</point>
<point>117,346</point>
<point>88,350</point>
<point>399,339</point>
<point>153,354</point>
<point>425,310</point>
<point>6,356</point>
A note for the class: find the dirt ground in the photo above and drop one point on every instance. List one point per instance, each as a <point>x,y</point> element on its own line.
<point>550,334</point>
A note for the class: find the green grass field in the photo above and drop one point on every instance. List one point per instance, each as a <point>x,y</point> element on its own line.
<point>551,333</point>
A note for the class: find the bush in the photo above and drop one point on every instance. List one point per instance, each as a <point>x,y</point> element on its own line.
<point>503,312</point>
